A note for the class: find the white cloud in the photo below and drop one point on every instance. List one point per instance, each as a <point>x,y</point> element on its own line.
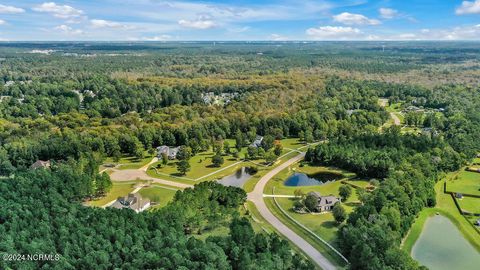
<point>68,30</point>
<point>59,11</point>
<point>10,10</point>
<point>334,33</point>
<point>352,19</point>
<point>198,24</point>
<point>157,38</point>
<point>469,7</point>
<point>277,37</point>
<point>96,23</point>
<point>2,22</point>
<point>455,33</point>
<point>388,13</point>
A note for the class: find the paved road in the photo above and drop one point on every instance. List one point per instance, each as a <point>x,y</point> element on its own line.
<point>130,175</point>
<point>256,196</point>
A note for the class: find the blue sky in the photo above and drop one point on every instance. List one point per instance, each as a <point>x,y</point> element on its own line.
<point>159,20</point>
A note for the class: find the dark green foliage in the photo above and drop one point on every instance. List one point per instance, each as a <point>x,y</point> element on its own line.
<point>345,191</point>
<point>311,202</point>
<point>217,160</point>
<point>339,213</point>
<point>41,215</point>
<point>183,166</point>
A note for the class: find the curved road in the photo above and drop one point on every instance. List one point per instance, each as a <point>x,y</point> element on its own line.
<point>256,196</point>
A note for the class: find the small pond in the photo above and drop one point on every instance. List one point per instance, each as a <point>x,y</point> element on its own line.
<point>442,246</point>
<point>237,179</point>
<point>301,179</point>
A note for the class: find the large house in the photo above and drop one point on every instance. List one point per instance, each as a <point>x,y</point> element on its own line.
<point>324,203</point>
<point>40,164</point>
<point>132,201</point>
<point>257,142</point>
<point>171,152</point>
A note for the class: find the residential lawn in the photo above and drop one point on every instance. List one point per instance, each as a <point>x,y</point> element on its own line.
<point>446,207</point>
<point>322,224</point>
<point>118,190</point>
<point>157,194</point>
<point>465,182</point>
<point>327,252</point>
<point>470,204</point>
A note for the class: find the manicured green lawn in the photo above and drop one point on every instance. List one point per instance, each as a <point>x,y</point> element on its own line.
<point>118,190</point>
<point>470,204</point>
<point>158,195</point>
<point>465,182</point>
<point>322,224</point>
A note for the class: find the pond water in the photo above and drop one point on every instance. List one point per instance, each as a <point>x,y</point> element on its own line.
<point>301,179</point>
<point>441,246</point>
<point>237,179</point>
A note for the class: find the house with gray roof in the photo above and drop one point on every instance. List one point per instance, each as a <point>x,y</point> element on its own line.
<point>40,164</point>
<point>171,152</point>
<point>324,203</point>
<point>133,201</point>
<point>257,142</point>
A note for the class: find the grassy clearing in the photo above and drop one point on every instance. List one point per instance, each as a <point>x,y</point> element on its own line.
<point>157,194</point>
<point>446,207</point>
<point>128,162</point>
<point>464,182</point>
<point>118,190</point>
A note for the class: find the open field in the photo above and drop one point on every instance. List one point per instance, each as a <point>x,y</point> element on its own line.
<point>127,162</point>
<point>446,207</point>
<point>465,182</point>
<point>157,194</point>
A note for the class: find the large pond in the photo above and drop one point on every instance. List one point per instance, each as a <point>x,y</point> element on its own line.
<point>441,246</point>
<point>237,179</point>
<point>301,179</point>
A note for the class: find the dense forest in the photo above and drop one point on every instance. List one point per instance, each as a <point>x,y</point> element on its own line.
<point>81,103</point>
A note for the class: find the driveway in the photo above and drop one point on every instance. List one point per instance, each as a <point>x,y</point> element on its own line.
<point>256,196</point>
